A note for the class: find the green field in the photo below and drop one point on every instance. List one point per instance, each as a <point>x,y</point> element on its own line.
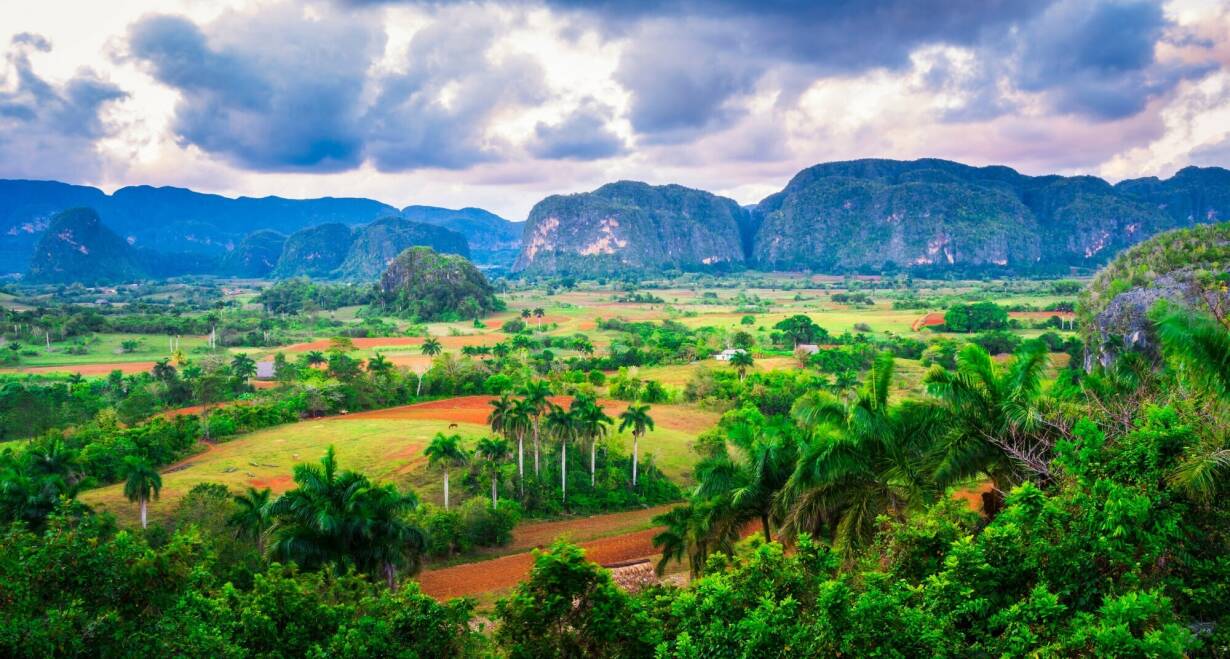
<point>385,449</point>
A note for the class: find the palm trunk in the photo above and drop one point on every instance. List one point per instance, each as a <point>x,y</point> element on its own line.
<point>563,470</point>
<point>635,455</point>
<point>764,520</point>
<point>144,510</point>
<point>593,450</point>
<point>521,461</point>
<point>494,494</point>
<point>446,489</point>
<point>390,576</point>
<point>418,391</point>
<point>535,447</point>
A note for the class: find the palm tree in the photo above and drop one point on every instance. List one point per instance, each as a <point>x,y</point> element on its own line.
<point>252,517</point>
<point>163,370</point>
<point>1202,346</point>
<point>315,358</point>
<point>988,405</point>
<point>694,531</point>
<point>535,394</point>
<point>592,423</point>
<point>74,379</point>
<point>746,482</point>
<point>379,365</point>
<point>562,425</point>
<point>243,367</point>
<point>636,418</point>
<point>525,314</point>
<point>341,517</point>
<point>538,315</point>
<point>741,360</point>
<point>864,458</point>
<point>494,452</point>
<point>446,452</point>
<point>431,347</point>
<point>142,482</point>
<point>507,418</point>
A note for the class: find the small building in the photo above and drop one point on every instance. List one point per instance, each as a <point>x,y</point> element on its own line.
<point>727,354</point>
<point>265,371</point>
<point>809,348</point>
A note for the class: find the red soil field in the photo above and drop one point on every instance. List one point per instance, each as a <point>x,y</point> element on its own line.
<point>929,320</point>
<point>505,572</point>
<point>127,368</point>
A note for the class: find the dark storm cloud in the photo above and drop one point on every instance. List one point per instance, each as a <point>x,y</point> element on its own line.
<point>48,128</point>
<point>269,91</point>
<point>584,134</point>
<point>1097,58</point>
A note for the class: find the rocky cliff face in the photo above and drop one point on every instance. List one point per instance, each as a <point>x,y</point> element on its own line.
<point>316,251</point>
<point>377,244</point>
<point>77,248</point>
<point>632,226</point>
<point>1184,266</point>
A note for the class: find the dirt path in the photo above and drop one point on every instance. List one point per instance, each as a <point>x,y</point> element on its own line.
<point>504,572</point>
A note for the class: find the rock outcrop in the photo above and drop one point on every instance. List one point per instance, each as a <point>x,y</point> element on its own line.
<point>632,226</point>
<point>77,248</point>
<point>425,285</point>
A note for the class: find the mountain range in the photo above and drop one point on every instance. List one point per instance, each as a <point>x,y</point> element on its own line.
<point>867,216</point>
<point>177,221</point>
<point>929,216</point>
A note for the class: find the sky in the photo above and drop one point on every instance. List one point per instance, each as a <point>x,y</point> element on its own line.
<point>499,104</point>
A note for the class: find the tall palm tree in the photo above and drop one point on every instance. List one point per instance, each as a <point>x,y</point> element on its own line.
<point>431,347</point>
<point>252,517</point>
<point>987,404</point>
<point>446,452</point>
<point>494,452</point>
<point>315,358</point>
<point>637,419</point>
<point>141,483</point>
<point>379,365</point>
<point>507,418</point>
<point>536,394</point>
<point>562,425</point>
<point>243,367</point>
<point>741,361</point>
<point>538,315</point>
<point>864,458</point>
<point>337,516</point>
<point>592,423</point>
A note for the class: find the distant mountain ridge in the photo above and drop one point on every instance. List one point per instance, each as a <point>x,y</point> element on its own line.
<point>178,220</point>
<point>927,216</point>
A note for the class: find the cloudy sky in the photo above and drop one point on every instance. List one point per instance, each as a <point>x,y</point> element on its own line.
<point>499,104</point>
